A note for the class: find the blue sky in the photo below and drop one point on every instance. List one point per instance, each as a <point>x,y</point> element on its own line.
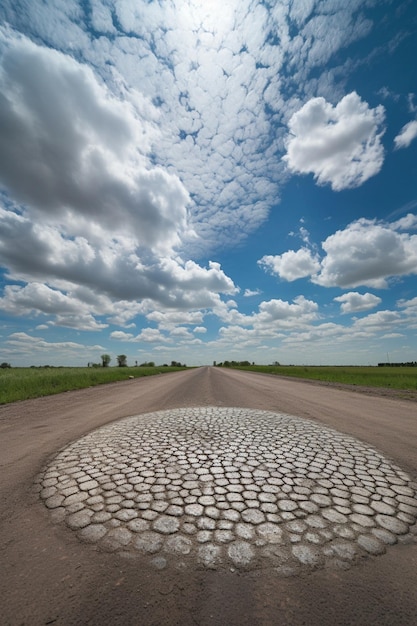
<point>207,180</point>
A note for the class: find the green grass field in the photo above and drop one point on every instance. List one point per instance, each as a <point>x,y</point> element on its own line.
<point>24,383</point>
<point>390,377</point>
<point>21,383</point>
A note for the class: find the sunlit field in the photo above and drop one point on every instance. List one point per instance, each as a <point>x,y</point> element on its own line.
<point>391,377</point>
<point>23,383</point>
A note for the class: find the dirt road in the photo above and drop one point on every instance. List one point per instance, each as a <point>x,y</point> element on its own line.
<point>48,576</point>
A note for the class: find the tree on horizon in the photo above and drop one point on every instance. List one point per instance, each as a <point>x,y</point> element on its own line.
<point>105,359</point>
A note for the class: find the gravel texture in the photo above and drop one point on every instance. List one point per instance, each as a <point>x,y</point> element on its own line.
<point>230,488</point>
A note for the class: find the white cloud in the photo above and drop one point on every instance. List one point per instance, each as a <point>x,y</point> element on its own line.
<point>322,333</point>
<point>110,269</point>
<point>273,314</point>
<point>169,319</point>
<point>412,107</point>
<point>76,154</point>
<point>294,334</point>
<point>20,345</point>
<point>367,253</point>
<point>387,94</point>
<point>248,293</point>
<point>332,334</point>
<point>147,335</point>
<point>406,135</point>
<point>180,332</point>
<point>37,298</point>
<point>120,335</point>
<point>409,306</point>
<point>340,145</point>
<point>409,221</point>
<point>151,335</point>
<point>378,322</point>
<point>97,214</point>
<point>412,302</point>
<point>235,338</point>
<point>353,302</point>
<point>292,264</point>
<point>282,312</point>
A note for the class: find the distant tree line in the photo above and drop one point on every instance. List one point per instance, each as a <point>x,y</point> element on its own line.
<point>105,360</point>
<point>152,364</point>
<point>122,362</point>
<point>235,363</point>
<point>408,364</point>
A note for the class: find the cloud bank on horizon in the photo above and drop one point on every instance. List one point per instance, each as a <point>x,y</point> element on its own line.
<point>156,158</point>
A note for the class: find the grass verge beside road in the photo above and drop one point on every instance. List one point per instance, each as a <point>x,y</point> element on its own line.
<point>24,383</point>
<point>389,377</point>
<point>21,383</point>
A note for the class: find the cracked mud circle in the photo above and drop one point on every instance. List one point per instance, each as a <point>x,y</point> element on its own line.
<point>231,488</point>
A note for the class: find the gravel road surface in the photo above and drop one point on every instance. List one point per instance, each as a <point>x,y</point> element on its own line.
<point>209,496</point>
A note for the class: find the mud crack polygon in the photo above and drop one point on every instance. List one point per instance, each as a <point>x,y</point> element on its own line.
<point>216,487</point>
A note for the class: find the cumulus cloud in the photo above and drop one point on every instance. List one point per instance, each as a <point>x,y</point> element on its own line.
<point>236,338</point>
<point>320,334</point>
<point>377,322</point>
<point>409,304</point>
<point>340,145</point>
<point>292,264</point>
<point>304,335</point>
<point>147,335</point>
<point>38,298</point>
<point>409,221</point>
<point>169,319</point>
<point>120,335</point>
<point>151,335</point>
<point>274,320</point>
<point>354,302</point>
<point>180,332</point>
<point>380,324</point>
<point>406,135</point>
<point>277,310</point>
<point>114,269</point>
<point>22,345</point>
<point>367,253</point>
<point>273,314</point>
<point>77,155</point>
<point>96,213</point>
